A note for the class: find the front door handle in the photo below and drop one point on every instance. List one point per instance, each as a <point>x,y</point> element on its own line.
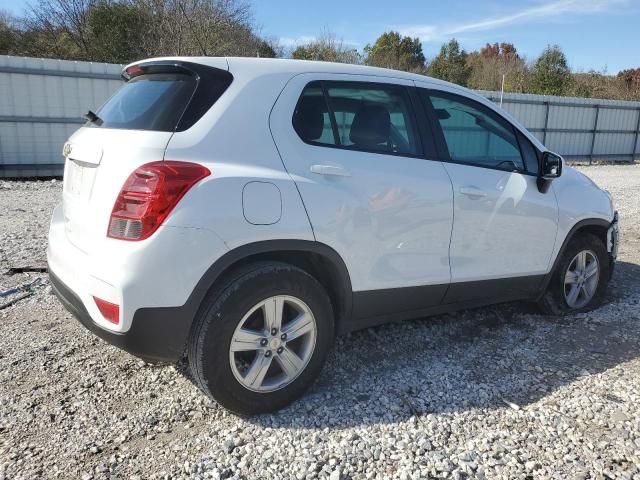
<point>332,170</point>
<point>473,192</point>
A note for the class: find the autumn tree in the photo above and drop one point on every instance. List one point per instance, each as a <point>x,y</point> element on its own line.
<point>550,74</point>
<point>488,66</point>
<point>391,50</point>
<point>630,82</point>
<point>451,64</point>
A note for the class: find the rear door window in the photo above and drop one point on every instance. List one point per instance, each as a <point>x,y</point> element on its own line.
<point>357,116</point>
<point>148,102</point>
<point>374,118</point>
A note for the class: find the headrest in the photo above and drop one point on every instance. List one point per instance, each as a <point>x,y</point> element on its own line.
<point>371,126</point>
<point>309,121</point>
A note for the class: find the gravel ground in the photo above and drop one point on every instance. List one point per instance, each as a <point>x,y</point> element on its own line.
<point>499,392</point>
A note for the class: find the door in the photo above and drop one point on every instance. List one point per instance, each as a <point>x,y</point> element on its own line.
<point>354,149</point>
<point>503,226</point>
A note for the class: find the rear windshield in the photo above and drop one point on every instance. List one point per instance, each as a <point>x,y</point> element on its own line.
<point>148,102</point>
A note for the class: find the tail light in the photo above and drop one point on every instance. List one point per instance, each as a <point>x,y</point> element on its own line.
<point>110,311</point>
<point>148,196</point>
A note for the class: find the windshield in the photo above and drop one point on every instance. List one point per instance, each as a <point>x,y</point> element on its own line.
<point>148,102</point>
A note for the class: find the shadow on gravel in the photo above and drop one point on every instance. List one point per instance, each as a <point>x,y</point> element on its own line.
<point>476,359</point>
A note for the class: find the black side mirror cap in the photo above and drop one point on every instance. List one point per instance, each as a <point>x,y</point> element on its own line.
<point>550,168</point>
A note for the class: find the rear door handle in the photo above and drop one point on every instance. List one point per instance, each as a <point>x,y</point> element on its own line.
<point>332,170</point>
<point>472,192</point>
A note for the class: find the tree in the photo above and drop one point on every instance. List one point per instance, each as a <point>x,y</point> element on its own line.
<point>127,30</point>
<point>268,49</point>
<point>117,31</point>
<point>487,66</point>
<point>326,48</point>
<point>630,81</point>
<point>451,64</point>
<point>550,74</point>
<point>60,28</point>
<point>199,27</point>
<point>394,51</point>
<point>8,34</point>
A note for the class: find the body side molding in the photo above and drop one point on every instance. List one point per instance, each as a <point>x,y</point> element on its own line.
<point>377,307</point>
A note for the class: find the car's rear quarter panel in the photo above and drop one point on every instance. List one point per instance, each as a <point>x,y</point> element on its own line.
<point>234,141</point>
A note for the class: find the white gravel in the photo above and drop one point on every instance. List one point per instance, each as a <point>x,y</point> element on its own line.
<point>499,392</point>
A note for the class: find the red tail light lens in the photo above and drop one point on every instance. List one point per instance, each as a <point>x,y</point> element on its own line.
<point>148,196</point>
<point>110,311</point>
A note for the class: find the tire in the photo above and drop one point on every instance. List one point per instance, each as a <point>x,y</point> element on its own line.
<point>219,372</point>
<point>555,300</point>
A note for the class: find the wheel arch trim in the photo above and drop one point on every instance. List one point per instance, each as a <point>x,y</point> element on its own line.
<point>266,247</point>
<point>585,223</point>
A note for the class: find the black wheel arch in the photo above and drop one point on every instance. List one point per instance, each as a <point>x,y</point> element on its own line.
<point>317,259</point>
<point>595,226</point>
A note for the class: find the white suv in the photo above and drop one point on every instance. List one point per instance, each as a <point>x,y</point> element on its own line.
<point>244,212</point>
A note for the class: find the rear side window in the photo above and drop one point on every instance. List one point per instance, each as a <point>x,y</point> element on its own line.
<point>474,134</point>
<point>148,102</point>
<point>357,116</point>
<point>311,119</point>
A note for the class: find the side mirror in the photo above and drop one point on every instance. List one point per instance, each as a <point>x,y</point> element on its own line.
<point>550,168</point>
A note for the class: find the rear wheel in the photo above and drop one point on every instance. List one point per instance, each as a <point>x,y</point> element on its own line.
<point>259,343</point>
<point>581,277</point>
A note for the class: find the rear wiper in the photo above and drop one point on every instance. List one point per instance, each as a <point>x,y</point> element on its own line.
<point>93,118</point>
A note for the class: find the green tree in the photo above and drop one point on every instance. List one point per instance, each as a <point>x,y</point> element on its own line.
<point>8,34</point>
<point>391,50</point>
<point>327,49</point>
<point>266,49</point>
<point>550,74</point>
<point>451,64</point>
<point>116,32</point>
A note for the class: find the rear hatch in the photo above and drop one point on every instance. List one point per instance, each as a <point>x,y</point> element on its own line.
<point>131,129</point>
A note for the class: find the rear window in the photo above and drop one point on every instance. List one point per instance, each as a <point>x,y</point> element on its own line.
<point>148,102</point>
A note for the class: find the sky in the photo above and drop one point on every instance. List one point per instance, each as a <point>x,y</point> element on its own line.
<point>594,34</point>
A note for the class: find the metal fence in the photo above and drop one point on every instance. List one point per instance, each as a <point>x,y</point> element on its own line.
<point>42,102</point>
<point>582,129</point>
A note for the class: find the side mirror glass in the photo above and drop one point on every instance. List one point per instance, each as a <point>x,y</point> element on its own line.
<point>551,166</point>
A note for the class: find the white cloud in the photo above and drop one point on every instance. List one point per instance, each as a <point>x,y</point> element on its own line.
<point>548,10</point>
<point>290,42</point>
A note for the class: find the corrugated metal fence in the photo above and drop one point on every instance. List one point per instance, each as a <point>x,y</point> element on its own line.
<point>583,129</point>
<point>42,102</point>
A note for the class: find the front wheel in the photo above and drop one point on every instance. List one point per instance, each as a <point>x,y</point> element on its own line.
<point>259,343</point>
<point>581,277</point>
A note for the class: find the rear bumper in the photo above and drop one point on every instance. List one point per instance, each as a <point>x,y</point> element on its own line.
<point>156,334</point>
<point>152,281</point>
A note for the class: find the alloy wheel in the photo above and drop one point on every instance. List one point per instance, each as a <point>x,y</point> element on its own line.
<point>273,343</point>
<point>581,279</point>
